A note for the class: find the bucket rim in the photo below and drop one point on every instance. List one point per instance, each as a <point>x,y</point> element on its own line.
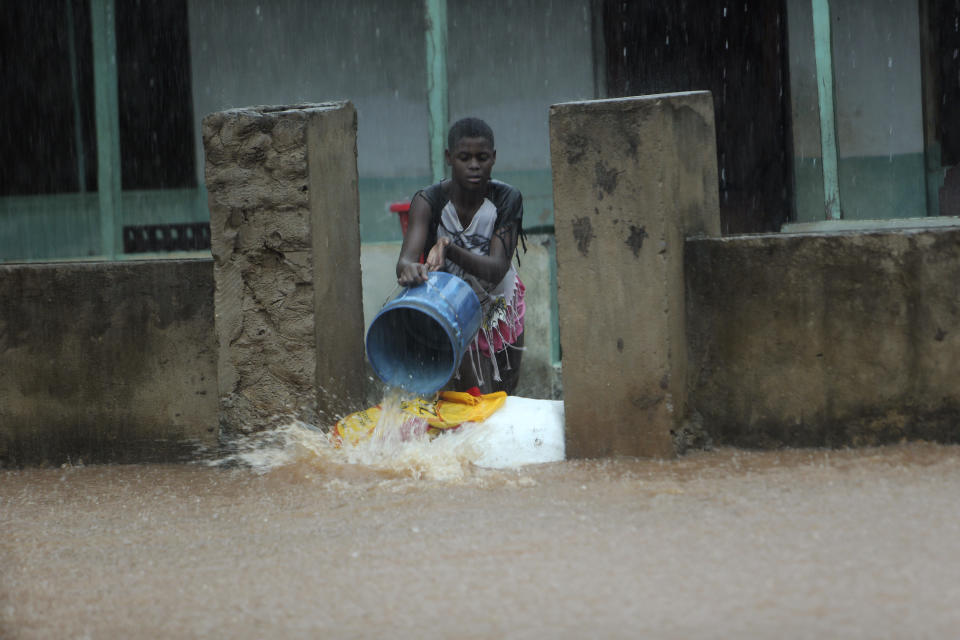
<point>416,305</point>
<point>455,331</point>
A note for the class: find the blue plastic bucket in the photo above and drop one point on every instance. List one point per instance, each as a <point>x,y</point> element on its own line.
<point>417,340</point>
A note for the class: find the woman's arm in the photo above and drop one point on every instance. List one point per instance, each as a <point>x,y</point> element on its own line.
<point>409,269</point>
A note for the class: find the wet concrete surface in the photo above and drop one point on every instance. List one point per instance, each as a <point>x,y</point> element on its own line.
<point>787,544</point>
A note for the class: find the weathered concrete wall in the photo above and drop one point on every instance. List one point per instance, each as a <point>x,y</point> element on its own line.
<point>282,185</point>
<point>826,340</point>
<point>632,178</point>
<point>106,362</point>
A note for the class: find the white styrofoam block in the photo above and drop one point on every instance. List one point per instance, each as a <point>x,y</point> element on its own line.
<point>523,431</point>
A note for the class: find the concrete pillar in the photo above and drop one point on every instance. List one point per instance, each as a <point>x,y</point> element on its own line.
<point>632,178</point>
<point>284,219</point>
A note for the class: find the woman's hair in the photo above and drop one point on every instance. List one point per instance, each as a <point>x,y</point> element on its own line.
<point>469,128</point>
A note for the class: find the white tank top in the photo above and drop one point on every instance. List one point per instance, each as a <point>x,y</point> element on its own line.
<point>476,239</point>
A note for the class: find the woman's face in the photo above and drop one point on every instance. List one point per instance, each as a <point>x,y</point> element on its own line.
<point>471,161</point>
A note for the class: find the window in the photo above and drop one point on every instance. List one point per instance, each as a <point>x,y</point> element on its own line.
<point>47,129</point>
<point>48,134</point>
<point>156,107</point>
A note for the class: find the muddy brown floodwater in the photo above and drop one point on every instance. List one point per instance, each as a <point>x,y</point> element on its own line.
<point>788,544</point>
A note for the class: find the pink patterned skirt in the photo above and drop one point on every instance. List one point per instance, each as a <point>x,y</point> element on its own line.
<point>502,323</point>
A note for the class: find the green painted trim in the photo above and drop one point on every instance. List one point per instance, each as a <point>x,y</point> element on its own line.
<point>828,126</point>
<point>898,224</point>
<point>65,226</point>
<point>104,36</point>
<point>49,227</point>
<point>437,101</point>
<point>377,222</point>
<point>536,185</point>
<point>873,187</point>
<point>164,206</point>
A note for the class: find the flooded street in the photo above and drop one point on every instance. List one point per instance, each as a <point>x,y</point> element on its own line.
<point>795,544</point>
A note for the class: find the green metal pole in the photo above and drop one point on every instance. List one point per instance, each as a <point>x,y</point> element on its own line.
<point>828,126</point>
<point>104,36</point>
<point>436,36</point>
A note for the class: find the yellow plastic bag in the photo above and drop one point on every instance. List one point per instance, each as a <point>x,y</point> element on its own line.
<point>357,426</point>
<point>456,407</point>
<point>448,411</point>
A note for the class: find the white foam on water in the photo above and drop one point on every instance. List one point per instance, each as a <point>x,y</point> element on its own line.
<point>524,431</point>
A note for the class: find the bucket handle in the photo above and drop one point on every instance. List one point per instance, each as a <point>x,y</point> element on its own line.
<point>392,293</point>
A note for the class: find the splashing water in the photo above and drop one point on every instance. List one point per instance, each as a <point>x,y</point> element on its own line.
<point>399,445</point>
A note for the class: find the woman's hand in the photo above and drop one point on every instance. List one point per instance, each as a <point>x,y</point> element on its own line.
<point>412,274</point>
<point>438,255</point>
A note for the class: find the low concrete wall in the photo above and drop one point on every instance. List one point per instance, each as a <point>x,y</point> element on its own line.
<point>794,340</point>
<point>106,362</point>
<point>117,362</point>
<point>825,340</point>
